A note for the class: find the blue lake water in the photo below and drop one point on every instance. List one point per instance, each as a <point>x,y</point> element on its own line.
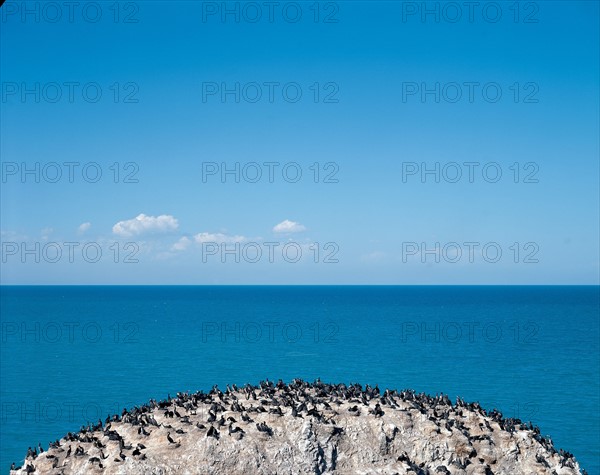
<point>70,355</point>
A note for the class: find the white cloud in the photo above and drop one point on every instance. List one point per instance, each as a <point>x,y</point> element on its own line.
<point>143,224</point>
<point>288,226</point>
<point>13,236</point>
<point>217,237</point>
<point>46,233</point>
<point>83,227</point>
<point>182,244</point>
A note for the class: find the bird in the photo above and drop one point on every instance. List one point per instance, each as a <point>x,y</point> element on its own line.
<point>235,430</point>
<point>212,432</point>
<point>262,427</point>
<point>246,418</point>
<point>171,441</point>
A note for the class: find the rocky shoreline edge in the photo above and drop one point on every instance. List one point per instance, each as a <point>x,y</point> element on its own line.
<point>304,428</point>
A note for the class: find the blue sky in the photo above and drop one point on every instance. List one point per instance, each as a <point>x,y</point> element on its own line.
<point>161,120</point>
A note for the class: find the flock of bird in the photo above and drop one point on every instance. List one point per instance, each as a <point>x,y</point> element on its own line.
<point>232,413</point>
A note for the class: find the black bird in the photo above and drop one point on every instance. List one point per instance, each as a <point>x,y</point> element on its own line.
<point>123,446</point>
<point>186,420</point>
<point>377,411</point>
<point>235,430</point>
<point>262,427</point>
<point>212,432</point>
<point>171,441</point>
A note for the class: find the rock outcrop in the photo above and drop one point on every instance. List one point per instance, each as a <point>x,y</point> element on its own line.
<point>304,428</point>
